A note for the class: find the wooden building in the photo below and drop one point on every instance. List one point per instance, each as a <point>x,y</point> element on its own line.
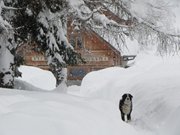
<point>97,53</point>
<point>32,56</point>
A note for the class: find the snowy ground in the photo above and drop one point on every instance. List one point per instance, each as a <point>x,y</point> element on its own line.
<point>92,109</point>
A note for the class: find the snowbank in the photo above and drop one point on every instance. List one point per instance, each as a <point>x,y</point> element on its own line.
<point>108,82</point>
<point>172,124</point>
<point>154,83</point>
<point>39,78</point>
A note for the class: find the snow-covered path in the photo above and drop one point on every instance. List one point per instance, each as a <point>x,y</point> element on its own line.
<point>48,113</point>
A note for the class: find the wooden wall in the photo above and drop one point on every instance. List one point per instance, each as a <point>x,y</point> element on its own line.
<point>32,57</point>
<point>97,52</point>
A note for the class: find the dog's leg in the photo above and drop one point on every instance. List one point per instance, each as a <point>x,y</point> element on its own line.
<point>123,116</point>
<point>129,117</point>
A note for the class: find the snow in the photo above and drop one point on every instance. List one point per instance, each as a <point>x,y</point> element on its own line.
<point>83,12</point>
<point>101,18</point>
<point>6,58</point>
<point>39,78</point>
<point>139,7</point>
<point>176,10</point>
<point>92,108</point>
<point>160,14</point>
<point>42,113</point>
<point>38,108</point>
<point>131,48</point>
<point>173,129</point>
<point>155,89</point>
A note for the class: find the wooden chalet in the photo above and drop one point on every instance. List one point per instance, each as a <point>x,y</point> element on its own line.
<point>97,53</point>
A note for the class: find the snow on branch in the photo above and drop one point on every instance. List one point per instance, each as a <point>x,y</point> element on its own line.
<point>3,6</point>
<point>4,25</point>
<point>84,13</point>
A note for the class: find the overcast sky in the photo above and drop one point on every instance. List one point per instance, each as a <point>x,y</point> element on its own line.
<point>176,10</point>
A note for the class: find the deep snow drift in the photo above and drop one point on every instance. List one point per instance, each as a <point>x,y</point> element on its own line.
<point>92,109</point>
<point>39,78</point>
<point>154,83</point>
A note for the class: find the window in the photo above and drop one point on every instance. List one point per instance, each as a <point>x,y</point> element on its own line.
<point>38,58</point>
<point>78,72</point>
<point>76,41</point>
<point>72,40</point>
<point>96,58</point>
<point>79,42</point>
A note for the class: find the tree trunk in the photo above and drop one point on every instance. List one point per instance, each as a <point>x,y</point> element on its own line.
<point>60,74</point>
<point>6,60</point>
<point>6,69</point>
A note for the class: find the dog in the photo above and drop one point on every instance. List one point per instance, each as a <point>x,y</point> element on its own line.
<point>125,106</point>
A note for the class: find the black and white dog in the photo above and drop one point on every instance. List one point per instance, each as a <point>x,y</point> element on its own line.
<point>125,106</point>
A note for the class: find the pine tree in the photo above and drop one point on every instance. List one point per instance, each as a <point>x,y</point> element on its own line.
<point>44,22</point>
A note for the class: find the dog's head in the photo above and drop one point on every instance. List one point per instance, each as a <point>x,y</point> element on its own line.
<point>127,97</point>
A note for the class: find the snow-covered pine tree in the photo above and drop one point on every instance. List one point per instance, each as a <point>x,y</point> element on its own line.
<point>44,22</point>
<point>7,51</point>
